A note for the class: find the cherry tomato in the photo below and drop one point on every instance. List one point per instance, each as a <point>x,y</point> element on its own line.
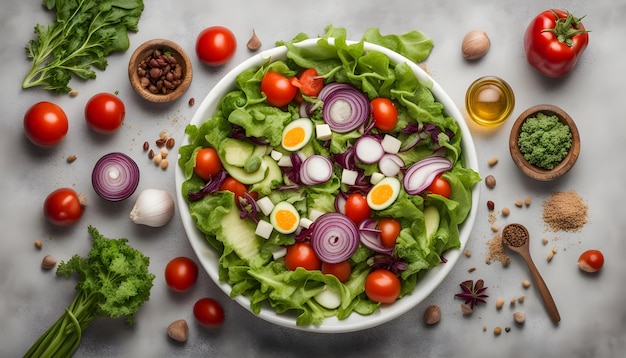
<point>301,254</point>
<point>341,270</point>
<point>309,82</point>
<point>384,113</point>
<point>357,208</point>
<point>591,261</point>
<point>104,113</point>
<point>239,189</point>
<point>440,186</point>
<point>63,207</point>
<point>278,89</point>
<point>45,124</point>
<point>181,273</point>
<point>209,312</point>
<point>215,45</point>
<point>208,163</point>
<point>382,286</point>
<point>389,231</point>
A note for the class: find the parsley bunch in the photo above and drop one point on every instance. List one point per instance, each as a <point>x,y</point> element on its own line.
<point>114,282</point>
<point>82,35</point>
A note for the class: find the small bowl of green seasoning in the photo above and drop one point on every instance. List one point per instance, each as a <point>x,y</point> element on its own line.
<point>544,142</point>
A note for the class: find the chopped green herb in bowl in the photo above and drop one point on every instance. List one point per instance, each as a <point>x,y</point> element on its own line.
<point>544,141</point>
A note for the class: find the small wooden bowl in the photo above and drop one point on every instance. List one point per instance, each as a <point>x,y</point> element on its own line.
<point>144,51</point>
<point>533,171</point>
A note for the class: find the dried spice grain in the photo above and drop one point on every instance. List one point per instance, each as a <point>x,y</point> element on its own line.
<point>496,251</point>
<point>565,211</point>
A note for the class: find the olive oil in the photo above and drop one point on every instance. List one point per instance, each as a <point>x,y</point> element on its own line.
<point>489,101</point>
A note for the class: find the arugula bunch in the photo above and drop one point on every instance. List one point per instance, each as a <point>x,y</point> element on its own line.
<point>83,34</point>
<point>114,282</point>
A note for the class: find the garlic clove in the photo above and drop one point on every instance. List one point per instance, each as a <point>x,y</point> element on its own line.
<point>475,45</point>
<point>153,208</point>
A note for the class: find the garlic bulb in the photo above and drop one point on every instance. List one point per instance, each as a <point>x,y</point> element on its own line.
<point>475,45</point>
<point>153,208</point>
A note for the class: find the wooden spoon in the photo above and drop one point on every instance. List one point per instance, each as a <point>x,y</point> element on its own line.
<point>516,238</point>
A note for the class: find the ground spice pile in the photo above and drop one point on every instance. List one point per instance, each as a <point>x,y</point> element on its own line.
<point>565,211</point>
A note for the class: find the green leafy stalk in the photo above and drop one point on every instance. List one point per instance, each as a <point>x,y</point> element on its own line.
<point>83,34</point>
<point>114,281</point>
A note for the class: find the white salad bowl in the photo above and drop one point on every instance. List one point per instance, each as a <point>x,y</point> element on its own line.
<point>208,257</point>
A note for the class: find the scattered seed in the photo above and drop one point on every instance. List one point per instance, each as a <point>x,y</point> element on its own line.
<point>497,331</point>
<point>73,93</point>
<point>38,244</point>
<point>554,250</point>
<point>495,228</point>
<point>549,255</point>
<point>146,145</point>
<point>513,300</point>
<point>490,205</point>
<point>527,201</point>
<point>499,303</point>
<point>163,135</point>
<point>471,269</point>
<point>164,163</point>
<point>490,181</point>
<point>164,152</point>
<point>467,253</point>
<point>519,317</point>
<point>178,330</point>
<point>484,328</point>
<point>158,158</point>
<point>544,240</point>
<point>521,299</point>
<point>507,329</point>
<point>192,101</point>
<point>525,283</point>
<point>506,211</point>
<point>169,144</point>
<point>466,309</point>
<point>518,203</point>
<point>151,154</point>
<point>432,314</point>
<point>160,142</point>
<point>71,158</point>
<point>493,161</point>
<point>48,262</point>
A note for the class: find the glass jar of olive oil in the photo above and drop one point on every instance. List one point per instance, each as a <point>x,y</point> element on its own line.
<point>489,101</point>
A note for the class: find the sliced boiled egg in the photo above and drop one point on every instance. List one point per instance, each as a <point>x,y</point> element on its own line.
<point>297,134</point>
<point>285,218</point>
<point>384,193</point>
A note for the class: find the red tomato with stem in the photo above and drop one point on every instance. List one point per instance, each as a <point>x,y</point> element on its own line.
<point>45,124</point>
<point>440,186</point>
<point>278,89</point>
<point>208,163</point>
<point>63,207</point>
<point>309,82</point>
<point>384,113</point>
<point>105,113</point>
<point>301,254</point>
<point>357,208</point>
<point>382,286</point>
<point>209,312</point>
<point>389,231</point>
<point>591,260</point>
<point>181,273</point>
<point>341,270</point>
<point>216,45</point>
<point>554,41</point>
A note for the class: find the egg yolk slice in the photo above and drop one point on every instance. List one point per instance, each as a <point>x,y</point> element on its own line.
<point>297,134</point>
<point>293,137</point>
<point>384,193</point>
<point>285,218</point>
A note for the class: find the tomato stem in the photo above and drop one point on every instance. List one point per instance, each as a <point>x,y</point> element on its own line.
<point>565,28</point>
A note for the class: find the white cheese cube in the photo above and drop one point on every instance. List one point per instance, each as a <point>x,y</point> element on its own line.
<point>314,214</point>
<point>285,161</point>
<point>264,229</point>
<point>305,223</point>
<point>266,205</point>
<point>376,177</point>
<point>323,131</point>
<point>349,176</point>
<point>276,155</point>
<point>278,252</point>
<point>391,144</point>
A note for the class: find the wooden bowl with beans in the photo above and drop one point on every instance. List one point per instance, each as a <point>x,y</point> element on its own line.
<point>160,70</point>
<point>531,154</point>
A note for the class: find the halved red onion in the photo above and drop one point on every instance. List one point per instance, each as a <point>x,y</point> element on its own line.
<point>368,149</point>
<point>420,175</point>
<point>115,176</point>
<point>345,109</point>
<point>370,237</point>
<point>316,169</point>
<point>390,164</point>
<point>335,237</point>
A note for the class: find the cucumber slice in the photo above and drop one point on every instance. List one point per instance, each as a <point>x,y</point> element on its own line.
<point>236,152</point>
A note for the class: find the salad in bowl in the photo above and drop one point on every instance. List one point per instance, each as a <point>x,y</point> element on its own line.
<point>327,185</point>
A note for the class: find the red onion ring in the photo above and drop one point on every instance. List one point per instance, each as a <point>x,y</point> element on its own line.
<point>359,109</point>
<point>335,237</point>
<point>420,175</point>
<point>115,176</point>
<point>370,237</point>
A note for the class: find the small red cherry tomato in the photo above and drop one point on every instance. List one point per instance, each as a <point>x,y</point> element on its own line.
<point>104,113</point>
<point>181,273</point>
<point>233,185</point>
<point>384,113</point>
<point>301,254</point>
<point>208,163</point>
<point>357,208</point>
<point>208,312</point>
<point>382,286</point>
<point>341,270</point>
<point>389,231</point>
<point>63,207</point>
<point>591,261</point>
<point>278,89</point>
<point>45,124</point>
<point>440,186</point>
<point>216,45</point>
